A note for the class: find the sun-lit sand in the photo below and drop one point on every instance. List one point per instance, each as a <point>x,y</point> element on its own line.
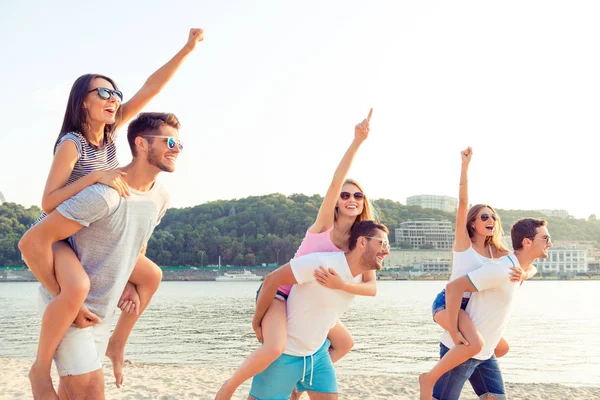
<point>144,381</point>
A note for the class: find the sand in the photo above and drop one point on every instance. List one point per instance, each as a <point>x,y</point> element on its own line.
<point>144,381</point>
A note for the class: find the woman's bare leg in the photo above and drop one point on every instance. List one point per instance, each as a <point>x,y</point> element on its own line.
<point>274,330</point>
<point>59,315</point>
<point>501,348</point>
<point>341,341</point>
<point>146,276</point>
<point>456,356</point>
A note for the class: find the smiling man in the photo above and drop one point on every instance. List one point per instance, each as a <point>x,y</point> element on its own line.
<point>107,232</point>
<point>490,306</point>
<point>312,310</point>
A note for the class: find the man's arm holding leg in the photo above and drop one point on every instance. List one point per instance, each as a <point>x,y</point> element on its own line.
<point>36,247</point>
<point>454,294</point>
<point>281,276</point>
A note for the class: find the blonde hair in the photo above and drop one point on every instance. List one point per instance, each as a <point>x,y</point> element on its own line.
<point>496,239</point>
<point>368,210</point>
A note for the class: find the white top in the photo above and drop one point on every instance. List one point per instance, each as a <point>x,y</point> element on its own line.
<point>491,305</point>
<point>312,309</point>
<point>466,261</point>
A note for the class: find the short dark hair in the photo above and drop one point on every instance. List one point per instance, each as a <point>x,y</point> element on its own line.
<point>364,228</point>
<point>148,123</point>
<point>524,228</point>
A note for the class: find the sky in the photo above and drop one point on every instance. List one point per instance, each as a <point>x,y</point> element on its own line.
<point>268,101</point>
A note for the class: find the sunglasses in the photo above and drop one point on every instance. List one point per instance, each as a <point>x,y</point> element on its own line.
<point>548,238</point>
<point>357,195</point>
<point>384,243</point>
<point>171,141</point>
<point>105,93</point>
<point>485,217</point>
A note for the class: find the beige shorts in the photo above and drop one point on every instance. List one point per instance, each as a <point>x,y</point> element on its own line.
<point>81,350</point>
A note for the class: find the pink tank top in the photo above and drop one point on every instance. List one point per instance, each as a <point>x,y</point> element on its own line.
<point>313,243</point>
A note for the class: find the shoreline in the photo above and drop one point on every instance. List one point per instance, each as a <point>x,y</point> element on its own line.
<point>191,275</point>
<point>180,381</point>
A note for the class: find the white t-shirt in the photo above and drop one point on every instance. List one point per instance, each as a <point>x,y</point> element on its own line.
<point>312,309</point>
<point>491,305</point>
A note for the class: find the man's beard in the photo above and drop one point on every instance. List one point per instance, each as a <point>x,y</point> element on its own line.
<point>155,160</point>
<point>368,261</point>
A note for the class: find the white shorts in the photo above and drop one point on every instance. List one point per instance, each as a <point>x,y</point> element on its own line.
<point>81,350</point>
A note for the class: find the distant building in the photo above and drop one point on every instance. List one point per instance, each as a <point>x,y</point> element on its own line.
<point>563,260</point>
<point>413,258</point>
<point>594,267</point>
<point>2,199</point>
<point>434,267</point>
<point>426,231</point>
<point>564,214</point>
<point>444,203</point>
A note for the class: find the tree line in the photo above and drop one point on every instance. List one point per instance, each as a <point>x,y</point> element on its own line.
<point>260,229</point>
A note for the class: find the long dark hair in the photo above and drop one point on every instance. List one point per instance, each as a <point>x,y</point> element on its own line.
<point>75,116</point>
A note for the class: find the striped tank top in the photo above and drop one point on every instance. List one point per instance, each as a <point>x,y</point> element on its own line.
<point>89,158</point>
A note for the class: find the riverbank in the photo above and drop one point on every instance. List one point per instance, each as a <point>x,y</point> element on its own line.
<point>197,274</point>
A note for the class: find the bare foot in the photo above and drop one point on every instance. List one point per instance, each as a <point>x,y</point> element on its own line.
<point>116,355</point>
<point>225,392</point>
<point>41,384</point>
<point>426,387</point>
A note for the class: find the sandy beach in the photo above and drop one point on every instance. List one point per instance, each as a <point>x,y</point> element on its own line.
<point>144,381</point>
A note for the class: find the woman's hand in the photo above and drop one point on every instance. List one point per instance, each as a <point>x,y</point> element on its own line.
<point>330,279</point>
<point>361,131</point>
<point>196,35</point>
<point>466,155</point>
<point>517,274</point>
<point>114,179</point>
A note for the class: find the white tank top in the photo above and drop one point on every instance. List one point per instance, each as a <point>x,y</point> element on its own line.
<point>466,261</point>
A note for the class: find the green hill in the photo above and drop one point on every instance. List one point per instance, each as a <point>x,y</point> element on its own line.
<point>260,229</point>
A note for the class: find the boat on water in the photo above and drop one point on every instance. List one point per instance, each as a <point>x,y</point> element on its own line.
<point>242,276</point>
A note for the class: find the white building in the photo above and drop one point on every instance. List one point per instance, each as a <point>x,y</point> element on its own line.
<point>412,258</point>
<point>564,214</point>
<point>444,203</point>
<point>2,199</point>
<point>426,231</point>
<point>563,260</point>
<point>434,267</point>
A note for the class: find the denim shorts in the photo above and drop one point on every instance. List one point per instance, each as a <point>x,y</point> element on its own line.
<point>439,303</point>
<point>279,295</point>
<point>484,375</point>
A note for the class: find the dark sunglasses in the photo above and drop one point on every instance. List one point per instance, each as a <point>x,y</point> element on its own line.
<point>485,217</point>
<point>357,195</point>
<point>171,141</point>
<point>105,93</point>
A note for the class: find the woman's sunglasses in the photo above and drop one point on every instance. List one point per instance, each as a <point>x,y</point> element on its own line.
<point>357,195</point>
<point>171,141</point>
<point>485,217</point>
<point>105,93</point>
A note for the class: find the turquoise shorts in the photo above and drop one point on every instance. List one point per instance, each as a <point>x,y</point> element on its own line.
<point>311,373</point>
